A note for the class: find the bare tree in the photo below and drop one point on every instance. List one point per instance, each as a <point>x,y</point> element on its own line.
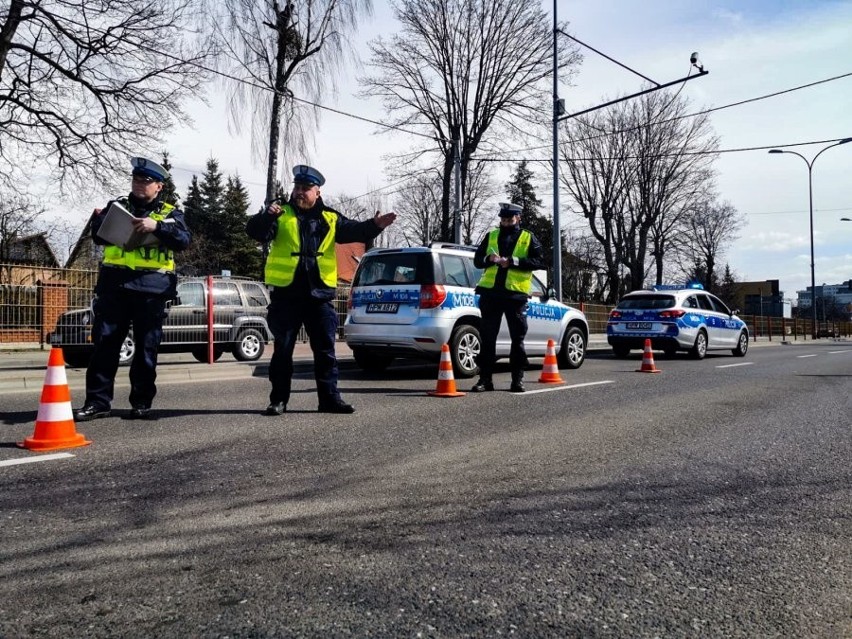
<point>709,226</point>
<point>418,205</point>
<point>84,83</point>
<point>273,50</point>
<point>633,171</point>
<point>468,70</point>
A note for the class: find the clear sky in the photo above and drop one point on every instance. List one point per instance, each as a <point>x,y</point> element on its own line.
<point>750,49</point>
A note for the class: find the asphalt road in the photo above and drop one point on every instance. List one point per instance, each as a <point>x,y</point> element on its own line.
<point>710,500</point>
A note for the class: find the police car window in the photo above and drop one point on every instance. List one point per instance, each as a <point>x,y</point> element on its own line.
<point>690,302</point>
<point>255,295</point>
<point>191,294</point>
<point>537,287</point>
<point>652,302</point>
<point>704,303</point>
<point>454,270</point>
<point>226,294</point>
<point>719,306</point>
<point>391,268</point>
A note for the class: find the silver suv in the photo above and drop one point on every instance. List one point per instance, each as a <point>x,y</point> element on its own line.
<point>239,323</point>
<point>408,302</point>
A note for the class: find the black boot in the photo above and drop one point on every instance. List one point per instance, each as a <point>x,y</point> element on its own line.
<point>484,384</point>
<point>517,383</point>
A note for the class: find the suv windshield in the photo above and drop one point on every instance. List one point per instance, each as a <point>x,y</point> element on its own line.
<point>395,268</point>
<point>646,302</point>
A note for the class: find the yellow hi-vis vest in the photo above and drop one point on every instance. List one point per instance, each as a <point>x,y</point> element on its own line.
<point>516,280</point>
<point>284,252</point>
<point>152,258</point>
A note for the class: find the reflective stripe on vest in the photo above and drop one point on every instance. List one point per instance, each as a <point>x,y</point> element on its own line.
<point>281,263</point>
<point>151,258</point>
<point>516,280</point>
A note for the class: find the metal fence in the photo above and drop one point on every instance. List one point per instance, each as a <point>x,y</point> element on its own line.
<point>33,298</point>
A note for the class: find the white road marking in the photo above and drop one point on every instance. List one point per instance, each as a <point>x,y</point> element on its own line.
<point>557,388</point>
<point>804,356</point>
<point>836,352</point>
<point>732,365</point>
<point>32,460</point>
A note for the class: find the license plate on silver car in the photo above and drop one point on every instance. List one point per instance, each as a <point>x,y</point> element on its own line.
<point>383,307</point>
<point>640,326</point>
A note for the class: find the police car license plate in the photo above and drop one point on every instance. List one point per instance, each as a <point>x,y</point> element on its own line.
<point>640,326</point>
<point>383,307</point>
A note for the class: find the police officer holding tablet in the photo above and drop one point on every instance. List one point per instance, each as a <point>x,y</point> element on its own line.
<point>133,287</point>
<point>301,272</point>
<point>508,255</point>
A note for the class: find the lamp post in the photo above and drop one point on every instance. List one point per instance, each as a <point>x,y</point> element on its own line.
<point>810,165</point>
<point>845,219</point>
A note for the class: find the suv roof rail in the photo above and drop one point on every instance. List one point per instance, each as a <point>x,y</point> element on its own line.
<point>462,247</point>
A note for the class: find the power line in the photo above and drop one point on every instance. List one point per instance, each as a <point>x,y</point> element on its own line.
<point>665,155</point>
<point>697,113</point>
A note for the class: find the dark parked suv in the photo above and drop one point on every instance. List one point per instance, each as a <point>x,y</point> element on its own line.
<point>239,323</point>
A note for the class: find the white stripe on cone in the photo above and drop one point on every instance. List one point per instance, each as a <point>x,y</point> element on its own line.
<point>55,376</point>
<point>54,412</point>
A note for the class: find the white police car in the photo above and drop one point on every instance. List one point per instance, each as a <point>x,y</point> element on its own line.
<point>675,319</point>
<point>408,302</point>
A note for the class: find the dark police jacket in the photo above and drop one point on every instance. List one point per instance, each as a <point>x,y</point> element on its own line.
<point>506,241</point>
<point>313,228</point>
<point>173,235</point>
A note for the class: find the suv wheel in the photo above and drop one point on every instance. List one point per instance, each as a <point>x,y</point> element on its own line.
<point>742,345</point>
<point>249,346</point>
<point>128,350</point>
<point>464,350</point>
<point>699,350</point>
<point>369,361</point>
<point>573,351</point>
<point>201,353</point>
<point>77,359</point>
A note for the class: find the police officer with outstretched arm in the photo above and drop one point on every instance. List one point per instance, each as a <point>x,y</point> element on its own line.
<point>133,287</point>
<point>301,272</point>
<point>508,255</point>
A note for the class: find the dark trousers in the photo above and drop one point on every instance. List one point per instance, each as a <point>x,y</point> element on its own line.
<point>493,309</point>
<point>286,317</point>
<point>114,312</point>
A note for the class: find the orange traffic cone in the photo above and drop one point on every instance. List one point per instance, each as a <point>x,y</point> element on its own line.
<point>550,370</point>
<point>54,427</point>
<point>446,386</point>
<point>648,360</point>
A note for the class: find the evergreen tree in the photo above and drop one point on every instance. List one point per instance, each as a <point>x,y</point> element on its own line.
<point>728,288</point>
<point>239,252</point>
<point>170,193</point>
<point>520,191</point>
<point>194,260</point>
<point>212,197</point>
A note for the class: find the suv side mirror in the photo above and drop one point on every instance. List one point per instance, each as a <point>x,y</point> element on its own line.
<point>736,311</point>
<point>548,293</point>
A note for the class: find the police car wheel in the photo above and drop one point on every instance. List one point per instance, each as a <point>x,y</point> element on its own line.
<point>699,350</point>
<point>620,351</point>
<point>572,354</point>
<point>742,345</point>
<point>249,346</point>
<point>369,361</point>
<point>465,345</point>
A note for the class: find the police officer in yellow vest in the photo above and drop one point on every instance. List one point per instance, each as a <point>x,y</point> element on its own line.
<point>509,255</point>
<point>133,287</point>
<point>301,271</point>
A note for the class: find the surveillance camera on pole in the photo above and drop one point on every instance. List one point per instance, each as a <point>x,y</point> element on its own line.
<point>694,61</point>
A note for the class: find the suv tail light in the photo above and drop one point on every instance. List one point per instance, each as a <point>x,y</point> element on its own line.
<point>672,314</point>
<point>432,295</point>
<point>614,314</point>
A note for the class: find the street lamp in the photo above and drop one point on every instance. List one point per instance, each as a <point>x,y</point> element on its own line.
<point>811,210</point>
<point>845,219</point>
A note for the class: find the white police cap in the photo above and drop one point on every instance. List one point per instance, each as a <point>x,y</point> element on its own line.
<point>144,166</point>
<point>509,210</point>
<point>304,174</point>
